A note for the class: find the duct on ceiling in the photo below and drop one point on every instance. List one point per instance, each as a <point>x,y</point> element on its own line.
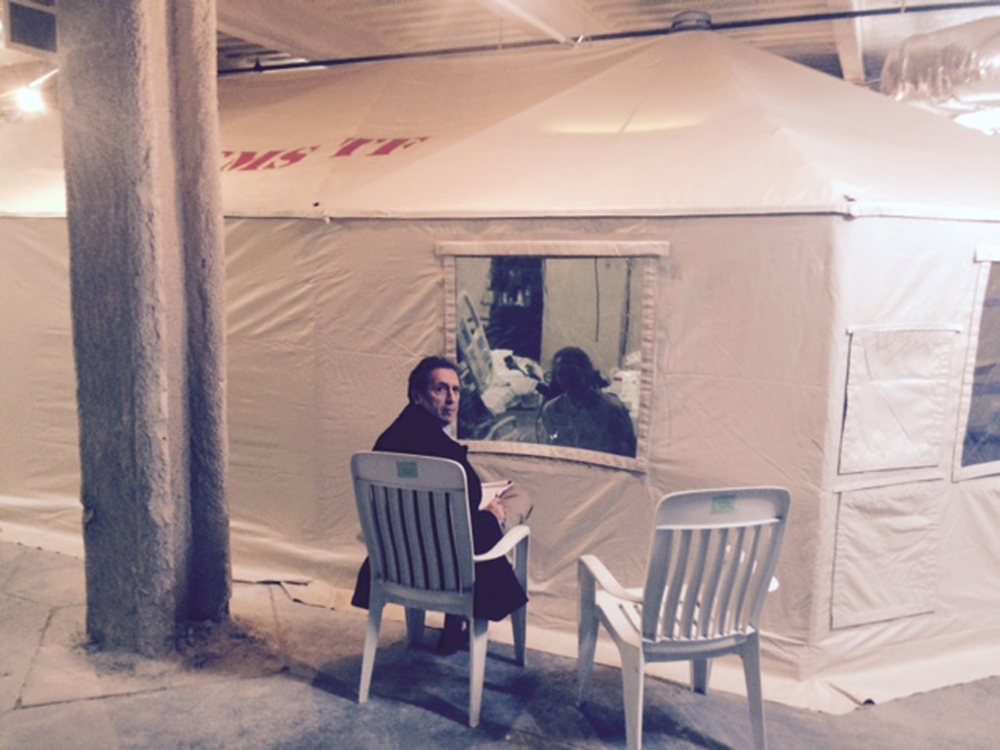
<point>955,72</point>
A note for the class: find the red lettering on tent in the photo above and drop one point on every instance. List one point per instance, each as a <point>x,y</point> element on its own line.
<point>350,145</point>
<point>253,161</point>
<point>377,146</point>
<point>288,158</point>
<point>249,161</point>
<point>395,143</point>
<point>230,159</point>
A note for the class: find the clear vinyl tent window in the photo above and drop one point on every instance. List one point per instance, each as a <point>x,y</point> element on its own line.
<point>554,343</point>
<point>981,444</point>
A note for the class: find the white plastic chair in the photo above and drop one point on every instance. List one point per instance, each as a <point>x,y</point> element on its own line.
<point>415,519</point>
<point>712,561</point>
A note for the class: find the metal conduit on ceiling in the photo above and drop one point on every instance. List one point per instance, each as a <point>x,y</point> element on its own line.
<point>829,16</point>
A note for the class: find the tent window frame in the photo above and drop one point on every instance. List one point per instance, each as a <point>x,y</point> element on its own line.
<point>988,258</point>
<point>646,251</point>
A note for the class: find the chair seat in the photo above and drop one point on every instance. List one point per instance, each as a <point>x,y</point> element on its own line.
<point>624,620</point>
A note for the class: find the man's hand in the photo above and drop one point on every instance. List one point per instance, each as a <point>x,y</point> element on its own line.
<point>497,509</point>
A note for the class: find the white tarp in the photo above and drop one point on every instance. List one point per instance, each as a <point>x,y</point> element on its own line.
<point>760,195</point>
<point>695,124</point>
<point>691,124</point>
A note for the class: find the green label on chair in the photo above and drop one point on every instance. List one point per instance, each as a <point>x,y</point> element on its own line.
<point>406,469</point>
<point>723,504</point>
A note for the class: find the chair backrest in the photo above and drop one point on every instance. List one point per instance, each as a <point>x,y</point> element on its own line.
<point>414,514</point>
<point>713,555</point>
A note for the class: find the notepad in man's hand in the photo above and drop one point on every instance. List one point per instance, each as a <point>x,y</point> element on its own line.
<point>494,490</point>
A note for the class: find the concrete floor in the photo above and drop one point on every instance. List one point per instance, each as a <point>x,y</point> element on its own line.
<point>285,676</point>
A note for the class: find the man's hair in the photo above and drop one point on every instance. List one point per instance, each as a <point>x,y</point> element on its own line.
<point>421,375</point>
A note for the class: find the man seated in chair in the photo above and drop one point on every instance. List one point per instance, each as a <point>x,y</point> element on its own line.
<point>424,427</point>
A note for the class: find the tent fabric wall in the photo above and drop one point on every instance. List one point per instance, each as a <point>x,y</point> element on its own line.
<point>39,459</point>
<point>785,236</point>
<point>729,408</point>
<point>325,320</point>
<point>904,275</point>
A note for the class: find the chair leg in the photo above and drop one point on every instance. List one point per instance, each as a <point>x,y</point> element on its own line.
<point>750,655</point>
<point>519,618</point>
<point>632,692</point>
<point>587,633</point>
<point>415,626</point>
<point>520,561</point>
<point>478,641</point>
<point>371,644</point>
<point>701,670</point>
<point>519,622</point>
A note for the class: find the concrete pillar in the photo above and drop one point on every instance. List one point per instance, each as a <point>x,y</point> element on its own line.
<point>142,156</point>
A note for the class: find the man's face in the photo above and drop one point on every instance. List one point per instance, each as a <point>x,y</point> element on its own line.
<point>441,396</point>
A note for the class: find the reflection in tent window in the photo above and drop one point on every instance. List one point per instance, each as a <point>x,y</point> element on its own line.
<point>514,314</point>
<point>982,435</point>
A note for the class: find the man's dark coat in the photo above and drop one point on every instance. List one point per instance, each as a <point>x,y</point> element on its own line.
<point>498,592</point>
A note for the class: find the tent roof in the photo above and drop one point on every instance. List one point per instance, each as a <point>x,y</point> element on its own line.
<point>694,123</point>
<point>690,124</point>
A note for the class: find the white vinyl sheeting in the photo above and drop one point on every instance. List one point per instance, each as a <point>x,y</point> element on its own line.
<point>785,324</point>
<point>717,127</point>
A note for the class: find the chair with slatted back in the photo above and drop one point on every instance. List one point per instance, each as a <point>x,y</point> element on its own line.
<point>711,565</point>
<point>414,514</point>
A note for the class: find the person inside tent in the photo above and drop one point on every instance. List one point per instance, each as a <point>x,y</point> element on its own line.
<point>579,414</point>
<point>425,427</point>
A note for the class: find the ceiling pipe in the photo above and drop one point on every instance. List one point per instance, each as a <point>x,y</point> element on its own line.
<point>955,72</point>
<point>622,35</point>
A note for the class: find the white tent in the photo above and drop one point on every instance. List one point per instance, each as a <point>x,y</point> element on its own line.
<point>809,264</point>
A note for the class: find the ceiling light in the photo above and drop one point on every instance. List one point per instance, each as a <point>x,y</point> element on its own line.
<point>987,120</point>
<point>513,9</point>
<point>30,100</point>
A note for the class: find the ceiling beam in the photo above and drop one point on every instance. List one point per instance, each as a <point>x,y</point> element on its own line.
<point>560,20</point>
<point>301,32</point>
<point>848,36</point>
